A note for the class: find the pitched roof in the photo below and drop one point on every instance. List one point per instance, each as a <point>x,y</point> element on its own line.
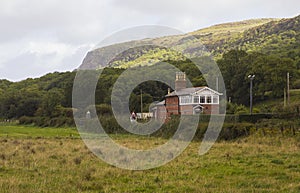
<point>188,91</point>
<point>160,103</point>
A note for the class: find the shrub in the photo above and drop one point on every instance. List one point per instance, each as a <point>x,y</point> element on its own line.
<point>229,131</point>
<point>296,84</point>
<point>47,122</point>
<point>291,111</point>
<point>104,110</point>
<point>254,117</point>
<point>234,131</point>
<point>233,108</point>
<point>26,120</point>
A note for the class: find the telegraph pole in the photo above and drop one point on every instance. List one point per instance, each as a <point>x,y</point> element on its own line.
<point>251,95</point>
<point>217,84</point>
<point>284,97</point>
<point>142,103</point>
<point>288,88</point>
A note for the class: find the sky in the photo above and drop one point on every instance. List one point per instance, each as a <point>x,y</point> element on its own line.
<point>38,37</point>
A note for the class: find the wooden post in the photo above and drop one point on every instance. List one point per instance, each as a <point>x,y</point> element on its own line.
<point>217,84</point>
<point>141,104</point>
<point>288,88</point>
<point>284,97</point>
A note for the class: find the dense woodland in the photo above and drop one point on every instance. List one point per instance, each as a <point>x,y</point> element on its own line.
<point>50,97</point>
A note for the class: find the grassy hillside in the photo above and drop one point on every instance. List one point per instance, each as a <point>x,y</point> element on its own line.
<point>233,27</point>
<point>217,37</point>
<point>281,37</point>
<point>267,106</point>
<point>275,36</point>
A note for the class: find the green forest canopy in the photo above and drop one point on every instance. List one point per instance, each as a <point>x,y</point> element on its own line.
<point>51,95</point>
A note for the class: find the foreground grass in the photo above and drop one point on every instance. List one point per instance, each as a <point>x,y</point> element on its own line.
<point>20,131</point>
<point>53,164</point>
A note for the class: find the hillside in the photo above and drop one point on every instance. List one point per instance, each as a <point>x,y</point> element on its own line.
<point>280,37</point>
<point>262,35</point>
<point>216,37</point>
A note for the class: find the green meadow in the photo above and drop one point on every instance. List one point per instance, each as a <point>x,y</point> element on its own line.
<point>26,131</point>
<point>36,159</point>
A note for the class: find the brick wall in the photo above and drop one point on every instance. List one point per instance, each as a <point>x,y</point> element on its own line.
<point>211,109</point>
<point>172,105</point>
<point>161,112</point>
<point>186,109</point>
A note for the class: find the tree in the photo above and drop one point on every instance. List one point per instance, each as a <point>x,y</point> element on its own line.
<point>50,102</point>
<point>270,74</point>
<point>234,71</point>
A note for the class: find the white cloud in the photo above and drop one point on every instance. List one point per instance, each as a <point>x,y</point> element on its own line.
<point>206,13</point>
<point>32,59</point>
<point>41,36</point>
<point>42,48</point>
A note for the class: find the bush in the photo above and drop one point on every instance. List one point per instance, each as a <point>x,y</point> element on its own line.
<point>47,122</point>
<point>234,131</point>
<point>296,84</point>
<point>26,120</point>
<point>229,118</point>
<point>254,117</point>
<point>229,131</point>
<point>278,126</point>
<point>111,126</point>
<point>233,108</point>
<point>291,111</point>
<point>104,110</point>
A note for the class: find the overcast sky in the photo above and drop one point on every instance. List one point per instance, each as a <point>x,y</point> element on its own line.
<point>38,37</point>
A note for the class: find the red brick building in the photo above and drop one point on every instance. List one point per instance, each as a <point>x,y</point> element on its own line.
<point>187,101</point>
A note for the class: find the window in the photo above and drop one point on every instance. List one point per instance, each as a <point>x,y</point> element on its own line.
<point>215,99</point>
<point>185,99</point>
<point>208,99</point>
<point>202,99</point>
<point>196,99</point>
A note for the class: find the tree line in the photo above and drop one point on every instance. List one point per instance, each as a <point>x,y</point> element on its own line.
<point>50,97</point>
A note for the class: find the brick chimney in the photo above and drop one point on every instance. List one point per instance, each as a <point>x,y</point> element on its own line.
<point>180,81</point>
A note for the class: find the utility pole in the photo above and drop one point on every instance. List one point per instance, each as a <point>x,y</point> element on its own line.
<point>142,103</point>
<point>217,84</point>
<point>284,97</point>
<point>288,88</point>
<point>251,95</point>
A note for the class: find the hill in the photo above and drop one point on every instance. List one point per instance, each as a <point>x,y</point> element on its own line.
<point>280,37</point>
<point>270,36</point>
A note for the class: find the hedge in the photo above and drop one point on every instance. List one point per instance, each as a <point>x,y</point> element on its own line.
<point>47,122</point>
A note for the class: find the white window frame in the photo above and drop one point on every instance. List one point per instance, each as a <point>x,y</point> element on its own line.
<point>190,99</point>
<point>197,98</point>
<point>215,99</point>
<point>209,96</point>
<point>187,99</point>
<point>200,99</point>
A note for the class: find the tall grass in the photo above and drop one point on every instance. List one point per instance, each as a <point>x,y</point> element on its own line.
<point>257,163</point>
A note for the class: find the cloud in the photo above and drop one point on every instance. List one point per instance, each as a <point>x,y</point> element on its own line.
<point>51,18</point>
<point>37,37</point>
<point>191,14</point>
<point>34,59</point>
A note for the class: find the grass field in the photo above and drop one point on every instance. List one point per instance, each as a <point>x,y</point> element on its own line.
<point>56,160</point>
<point>20,131</point>
<point>271,103</point>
